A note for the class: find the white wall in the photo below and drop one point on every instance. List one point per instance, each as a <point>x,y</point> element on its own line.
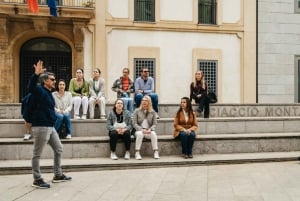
<point>279,42</point>
<point>231,11</point>
<point>181,10</point>
<point>175,72</point>
<point>118,8</point>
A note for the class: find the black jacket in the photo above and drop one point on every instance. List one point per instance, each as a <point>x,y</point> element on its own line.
<point>43,102</point>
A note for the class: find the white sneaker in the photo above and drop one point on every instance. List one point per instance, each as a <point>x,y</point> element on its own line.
<point>113,156</point>
<point>157,116</point>
<point>27,136</point>
<point>83,116</point>
<point>138,156</point>
<point>156,155</point>
<point>68,136</point>
<point>76,116</point>
<point>127,155</point>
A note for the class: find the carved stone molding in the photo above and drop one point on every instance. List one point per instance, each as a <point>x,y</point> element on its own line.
<point>40,24</point>
<point>4,34</point>
<point>78,35</point>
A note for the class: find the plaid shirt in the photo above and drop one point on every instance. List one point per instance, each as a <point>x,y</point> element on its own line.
<point>118,84</point>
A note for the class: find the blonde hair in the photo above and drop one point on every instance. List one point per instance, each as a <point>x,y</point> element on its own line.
<point>202,81</point>
<point>150,107</point>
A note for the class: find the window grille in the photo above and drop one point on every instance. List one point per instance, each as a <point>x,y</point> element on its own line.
<point>207,11</point>
<point>139,64</point>
<point>144,10</point>
<point>298,78</point>
<point>57,57</point>
<point>297,6</point>
<point>209,68</point>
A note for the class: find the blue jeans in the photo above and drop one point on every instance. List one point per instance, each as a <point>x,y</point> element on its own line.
<point>128,104</point>
<point>42,135</point>
<point>154,98</point>
<point>187,142</point>
<point>63,118</point>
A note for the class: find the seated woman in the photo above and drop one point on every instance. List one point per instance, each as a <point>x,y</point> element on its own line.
<point>80,91</point>
<point>97,94</point>
<point>63,107</point>
<point>198,92</point>
<point>185,124</point>
<point>144,122</point>
<point>119,126</point>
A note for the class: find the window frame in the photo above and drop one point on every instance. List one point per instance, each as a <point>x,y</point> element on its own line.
<point>213,13</point>
<point>297,78</point>
<point>212,87</point>
<point>138,69</point>
<point>137,18</point>
<point>297,6</point>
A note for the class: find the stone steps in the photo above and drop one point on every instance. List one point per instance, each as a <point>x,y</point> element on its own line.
<point>94,147</point>
<point>235,133</point>
<point>88,128</point>
<point>105,163</point>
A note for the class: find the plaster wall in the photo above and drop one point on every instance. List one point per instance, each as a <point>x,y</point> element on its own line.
<point>175,71</point>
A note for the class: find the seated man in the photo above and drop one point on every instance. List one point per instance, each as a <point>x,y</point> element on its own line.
<point>124,86</point>
<point>144,85</point>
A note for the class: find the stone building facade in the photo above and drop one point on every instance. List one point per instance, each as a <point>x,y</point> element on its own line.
<point>278,51</point>
<point>109,36</point>
<point>18,25</point>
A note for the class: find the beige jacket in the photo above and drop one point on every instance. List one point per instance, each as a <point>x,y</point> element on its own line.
<point>139,116</point>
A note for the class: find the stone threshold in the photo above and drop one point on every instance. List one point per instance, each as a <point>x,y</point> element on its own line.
<point>9,167</point>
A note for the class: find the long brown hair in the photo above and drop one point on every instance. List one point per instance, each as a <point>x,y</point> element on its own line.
<point>189,108</point>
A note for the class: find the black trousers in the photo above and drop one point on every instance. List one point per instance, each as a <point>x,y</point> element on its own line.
<point>114,136</point>
<point>203,102</point>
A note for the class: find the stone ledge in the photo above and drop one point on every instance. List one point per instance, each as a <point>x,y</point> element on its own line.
<point>11,128</point>
<point>94,147</point>
<point>162,138</point>
<point>8,167</point>
<point>12,110</point>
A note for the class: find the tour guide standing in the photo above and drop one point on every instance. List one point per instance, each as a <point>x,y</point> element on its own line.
<point>43,120</point>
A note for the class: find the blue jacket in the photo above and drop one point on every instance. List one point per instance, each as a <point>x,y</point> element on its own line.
<point>43,101</point>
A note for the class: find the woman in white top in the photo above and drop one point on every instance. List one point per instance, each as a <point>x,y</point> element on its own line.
<point>144,122</point>
<point>63,107</point>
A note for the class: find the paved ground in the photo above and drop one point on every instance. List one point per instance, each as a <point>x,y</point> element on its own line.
<point>242,182</point>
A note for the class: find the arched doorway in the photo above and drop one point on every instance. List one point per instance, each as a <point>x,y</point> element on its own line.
<point>56,54</point>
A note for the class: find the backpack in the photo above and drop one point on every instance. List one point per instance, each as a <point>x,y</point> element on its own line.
<point>27,107</point>
<point>212,97</point>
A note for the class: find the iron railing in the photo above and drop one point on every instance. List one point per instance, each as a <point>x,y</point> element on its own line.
<point>207,11</point>
<point>63,3</point>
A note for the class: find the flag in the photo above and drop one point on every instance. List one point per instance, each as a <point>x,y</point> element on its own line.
<point>33,6</point>
<point>52,6</point>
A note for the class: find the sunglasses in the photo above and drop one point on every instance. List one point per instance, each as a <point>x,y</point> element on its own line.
<point>145,71</point>
<point>52,79</point>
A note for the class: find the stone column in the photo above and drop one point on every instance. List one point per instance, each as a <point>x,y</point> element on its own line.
<point>78,44</point>
<point>6,72</point>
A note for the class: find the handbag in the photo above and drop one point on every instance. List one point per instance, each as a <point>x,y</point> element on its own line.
<point>119,125</point>
<point>212,97</point>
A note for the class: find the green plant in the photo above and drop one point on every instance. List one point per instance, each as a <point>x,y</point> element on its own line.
<point>89,4</point>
